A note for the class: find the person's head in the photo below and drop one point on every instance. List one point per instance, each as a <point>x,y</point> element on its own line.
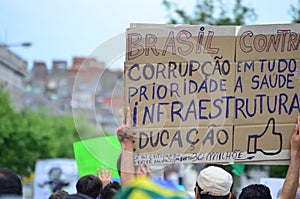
<point>89,185</point>
<point>213,183</point>
<point>77,196</point>
<point>115,185</point>
<point>55,173</point>
<point>109,190</point>
<point>255,191</point>
<point>10,182</point>
<point>58,194</point>
<point>171,173</point>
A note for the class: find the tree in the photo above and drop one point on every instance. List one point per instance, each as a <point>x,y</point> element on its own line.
<point>295,12</point>
<point>27,136</point>
<point>211,13</point>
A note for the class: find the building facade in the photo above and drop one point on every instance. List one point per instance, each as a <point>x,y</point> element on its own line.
<point>13,70</point>
<point>86,88</point>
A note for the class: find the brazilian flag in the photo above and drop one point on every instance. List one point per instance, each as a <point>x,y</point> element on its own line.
<point>148,188</point>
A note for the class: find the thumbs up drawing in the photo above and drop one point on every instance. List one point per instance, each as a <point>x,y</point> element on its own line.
<point>255,142</point>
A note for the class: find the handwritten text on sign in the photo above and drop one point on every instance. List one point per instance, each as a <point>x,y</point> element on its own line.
<point>189,95</point>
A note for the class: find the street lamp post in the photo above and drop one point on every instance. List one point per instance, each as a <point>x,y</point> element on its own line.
<point>23,44</point>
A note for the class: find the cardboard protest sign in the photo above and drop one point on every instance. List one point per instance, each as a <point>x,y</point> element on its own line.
<point>198,95</point>
<point>268,42</point>
<point>96,153</point>
<point>267,101</point>
<point>178,43</point>
<point>54,174</point>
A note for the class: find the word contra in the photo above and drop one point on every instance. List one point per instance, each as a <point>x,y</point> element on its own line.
<point>283,40</point>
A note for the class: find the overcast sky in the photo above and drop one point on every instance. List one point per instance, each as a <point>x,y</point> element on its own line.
<point>61,29</point>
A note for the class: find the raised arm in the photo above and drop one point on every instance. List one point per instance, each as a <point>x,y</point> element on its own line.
<point>125,137</point>
<point>104,176</point>
<point>292,177</point>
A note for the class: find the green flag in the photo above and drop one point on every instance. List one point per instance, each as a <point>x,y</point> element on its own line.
<point>238,169</point>
<point>95,153</point>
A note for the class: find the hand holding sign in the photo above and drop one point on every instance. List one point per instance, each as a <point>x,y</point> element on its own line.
<point>290,185</point>
<point>295,141</point>
<point>255,142</point>
<point>124,132</point>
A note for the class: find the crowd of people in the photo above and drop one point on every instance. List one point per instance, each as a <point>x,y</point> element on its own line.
<point>213,182</point>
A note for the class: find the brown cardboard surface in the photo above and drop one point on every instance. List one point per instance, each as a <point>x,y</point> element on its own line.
<point>257,42</point>
<point>259,93</point>
<point>267,89</point>
<point>183,145</point>
<point>168,99</point>
<point>264,142</point>
<point>269,162</point>
<point>182,43</point>
<point>183,140</point>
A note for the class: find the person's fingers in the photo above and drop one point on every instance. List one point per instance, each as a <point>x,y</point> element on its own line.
<point>123,118</point>
<point>120,131</point>
<point>297,127</point>
<point>298,124</point>
<point>144,169</point>
<point>128,117</point>
<point>98,172</point>
<point>121,115</point>
<point>102,169</point>
<point>141,169</point>
<point>148,170</point>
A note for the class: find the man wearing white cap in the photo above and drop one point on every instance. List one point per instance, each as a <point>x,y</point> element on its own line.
<point>213,183</point>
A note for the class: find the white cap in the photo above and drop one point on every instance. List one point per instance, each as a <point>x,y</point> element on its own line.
<point>215,180</point>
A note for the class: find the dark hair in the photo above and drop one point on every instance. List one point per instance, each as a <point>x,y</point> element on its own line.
<point>233,196</point>
<point>115,185</point>
<point>77,196</point>
<point>10,183</point>
<point>53,169</point>
<point>206,195</point>
<point>109,190</point>
<point>171,168</point>
<point>89,185</point>
<point>58,194</point>
<point>255,191</point>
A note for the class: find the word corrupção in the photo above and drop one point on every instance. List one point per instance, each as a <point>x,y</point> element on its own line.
<point>174,70</point>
